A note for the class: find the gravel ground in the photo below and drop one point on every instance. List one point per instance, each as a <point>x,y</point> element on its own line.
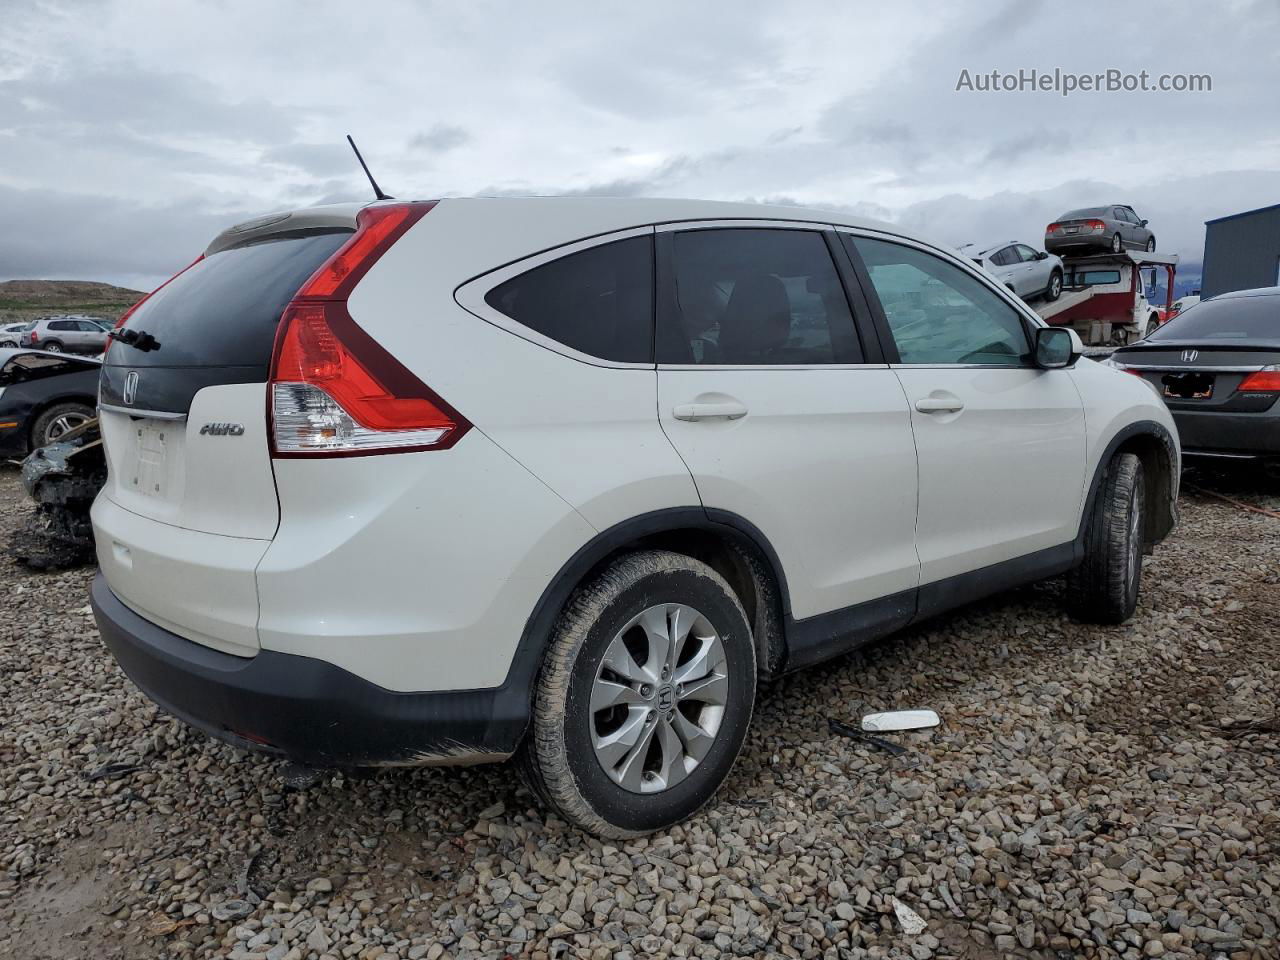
<point>1092,792</point>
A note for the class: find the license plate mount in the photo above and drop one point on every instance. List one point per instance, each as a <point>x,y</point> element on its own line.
<point>1188,386</point>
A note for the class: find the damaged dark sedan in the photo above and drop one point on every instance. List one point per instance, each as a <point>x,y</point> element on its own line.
<point>42,397</point>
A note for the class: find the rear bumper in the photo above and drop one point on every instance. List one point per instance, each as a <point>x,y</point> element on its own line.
<point>305,709</point>
<point>1077,244</point>
<point>1226,434</point>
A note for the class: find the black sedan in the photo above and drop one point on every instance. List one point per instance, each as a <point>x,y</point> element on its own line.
<point>42,396</point>
<point>1217,365</point>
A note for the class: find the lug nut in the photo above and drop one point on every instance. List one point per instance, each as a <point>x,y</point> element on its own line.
<point>666,672</point>
<point>679,689</point>
<point>645,690</point>
<point>650,715</point>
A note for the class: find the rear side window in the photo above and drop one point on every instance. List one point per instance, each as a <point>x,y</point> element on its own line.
<point>223,311</point>
<point>597,301</point>
<point>748,297</point>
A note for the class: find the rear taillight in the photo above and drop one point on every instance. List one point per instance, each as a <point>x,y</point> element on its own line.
<point>1053,228</point>
<point>124,317</point>
<point>335,391</point>
<point>1266,380</point>
<point>1095,225</point>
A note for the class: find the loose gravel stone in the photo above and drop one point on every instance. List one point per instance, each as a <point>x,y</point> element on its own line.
<point>1092,792</point>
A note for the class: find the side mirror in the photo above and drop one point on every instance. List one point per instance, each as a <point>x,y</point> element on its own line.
<point>1057,347</point>
<point>1041,255</point>
<point>1143,223</point>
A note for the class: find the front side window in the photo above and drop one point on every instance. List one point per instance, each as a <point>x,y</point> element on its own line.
<point>748,297</point>
<point>939,314</point>
<point>1025,253</point>
<point>598,301</point>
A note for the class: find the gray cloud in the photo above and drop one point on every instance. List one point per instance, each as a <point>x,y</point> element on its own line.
<point>441,137</point>
<point>129,140</point>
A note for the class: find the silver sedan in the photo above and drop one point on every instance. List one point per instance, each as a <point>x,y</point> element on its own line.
<point>1026,271</point>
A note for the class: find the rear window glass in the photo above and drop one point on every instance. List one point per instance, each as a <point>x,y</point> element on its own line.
<point>25,367</point>
<point>224,310</point>
<point>1236,318</point>
<point>598,301</point>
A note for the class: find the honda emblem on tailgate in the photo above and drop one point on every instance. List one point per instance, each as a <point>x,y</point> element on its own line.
<point>1189,355</point>
<point>130,391</point>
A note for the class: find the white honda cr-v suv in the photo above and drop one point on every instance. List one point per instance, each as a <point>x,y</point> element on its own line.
<point>416,483</point>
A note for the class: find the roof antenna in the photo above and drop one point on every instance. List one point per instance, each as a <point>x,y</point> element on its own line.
<point>377,190</point>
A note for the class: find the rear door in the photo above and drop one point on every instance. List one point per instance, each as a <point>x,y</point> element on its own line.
<point>1035,272</point>
<point>190,502</point>
<point>783,419</point>
<point>1001,443</point>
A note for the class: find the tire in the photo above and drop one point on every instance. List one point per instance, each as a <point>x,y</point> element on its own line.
<point>623,792</point>
<point>1054,290</point>
<point>1104,588</point>
<point>57,420</point>
<point>1151,245</point>
<point>1116,244</point>
<point>53,346</point>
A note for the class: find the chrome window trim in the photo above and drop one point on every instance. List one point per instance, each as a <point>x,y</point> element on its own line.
<point>779,367</point>
<point>673,226</point>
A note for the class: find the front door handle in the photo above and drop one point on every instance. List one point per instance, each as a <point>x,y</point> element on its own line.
<point>939,404</point>
<point>728,410</point>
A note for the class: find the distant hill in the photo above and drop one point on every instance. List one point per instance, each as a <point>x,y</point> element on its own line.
<point>21,299</point>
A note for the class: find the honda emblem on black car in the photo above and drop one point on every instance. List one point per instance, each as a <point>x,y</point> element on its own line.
<point>222,429</point>
<point>1189,356</point>
<point>130,391</point>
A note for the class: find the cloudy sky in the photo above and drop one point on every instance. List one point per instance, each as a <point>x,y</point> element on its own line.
<point>132,131</point>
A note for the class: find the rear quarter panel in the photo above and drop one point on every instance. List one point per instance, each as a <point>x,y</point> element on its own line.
<point>588,430</point>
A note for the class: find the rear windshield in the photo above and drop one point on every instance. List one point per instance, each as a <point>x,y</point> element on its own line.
<point>224,310</point>
<point>1236,318</point>
<point>1083,214</point>
<point>25,367</point>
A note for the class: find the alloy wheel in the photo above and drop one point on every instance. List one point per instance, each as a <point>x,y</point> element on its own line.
<point>659,698</point>
<point>63,424</point>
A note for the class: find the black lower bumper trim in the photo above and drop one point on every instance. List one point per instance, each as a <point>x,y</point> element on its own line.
<point>306,709</point>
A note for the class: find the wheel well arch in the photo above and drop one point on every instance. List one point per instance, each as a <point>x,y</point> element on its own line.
<point>1157,450</point>
<point>731,545</point>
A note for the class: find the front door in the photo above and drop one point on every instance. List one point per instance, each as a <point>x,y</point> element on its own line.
<point>1000,442</point>
<point>766,392</point>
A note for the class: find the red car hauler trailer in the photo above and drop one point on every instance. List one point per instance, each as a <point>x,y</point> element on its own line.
<point>1104,296</point>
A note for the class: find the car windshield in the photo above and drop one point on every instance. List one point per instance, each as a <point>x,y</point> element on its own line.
<point>1233,318</point>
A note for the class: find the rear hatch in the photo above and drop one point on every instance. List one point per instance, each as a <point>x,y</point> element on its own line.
<point>190,504</point>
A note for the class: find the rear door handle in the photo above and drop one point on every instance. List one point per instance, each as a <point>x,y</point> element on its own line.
<point>939,404</point>
<point>729,410</point>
